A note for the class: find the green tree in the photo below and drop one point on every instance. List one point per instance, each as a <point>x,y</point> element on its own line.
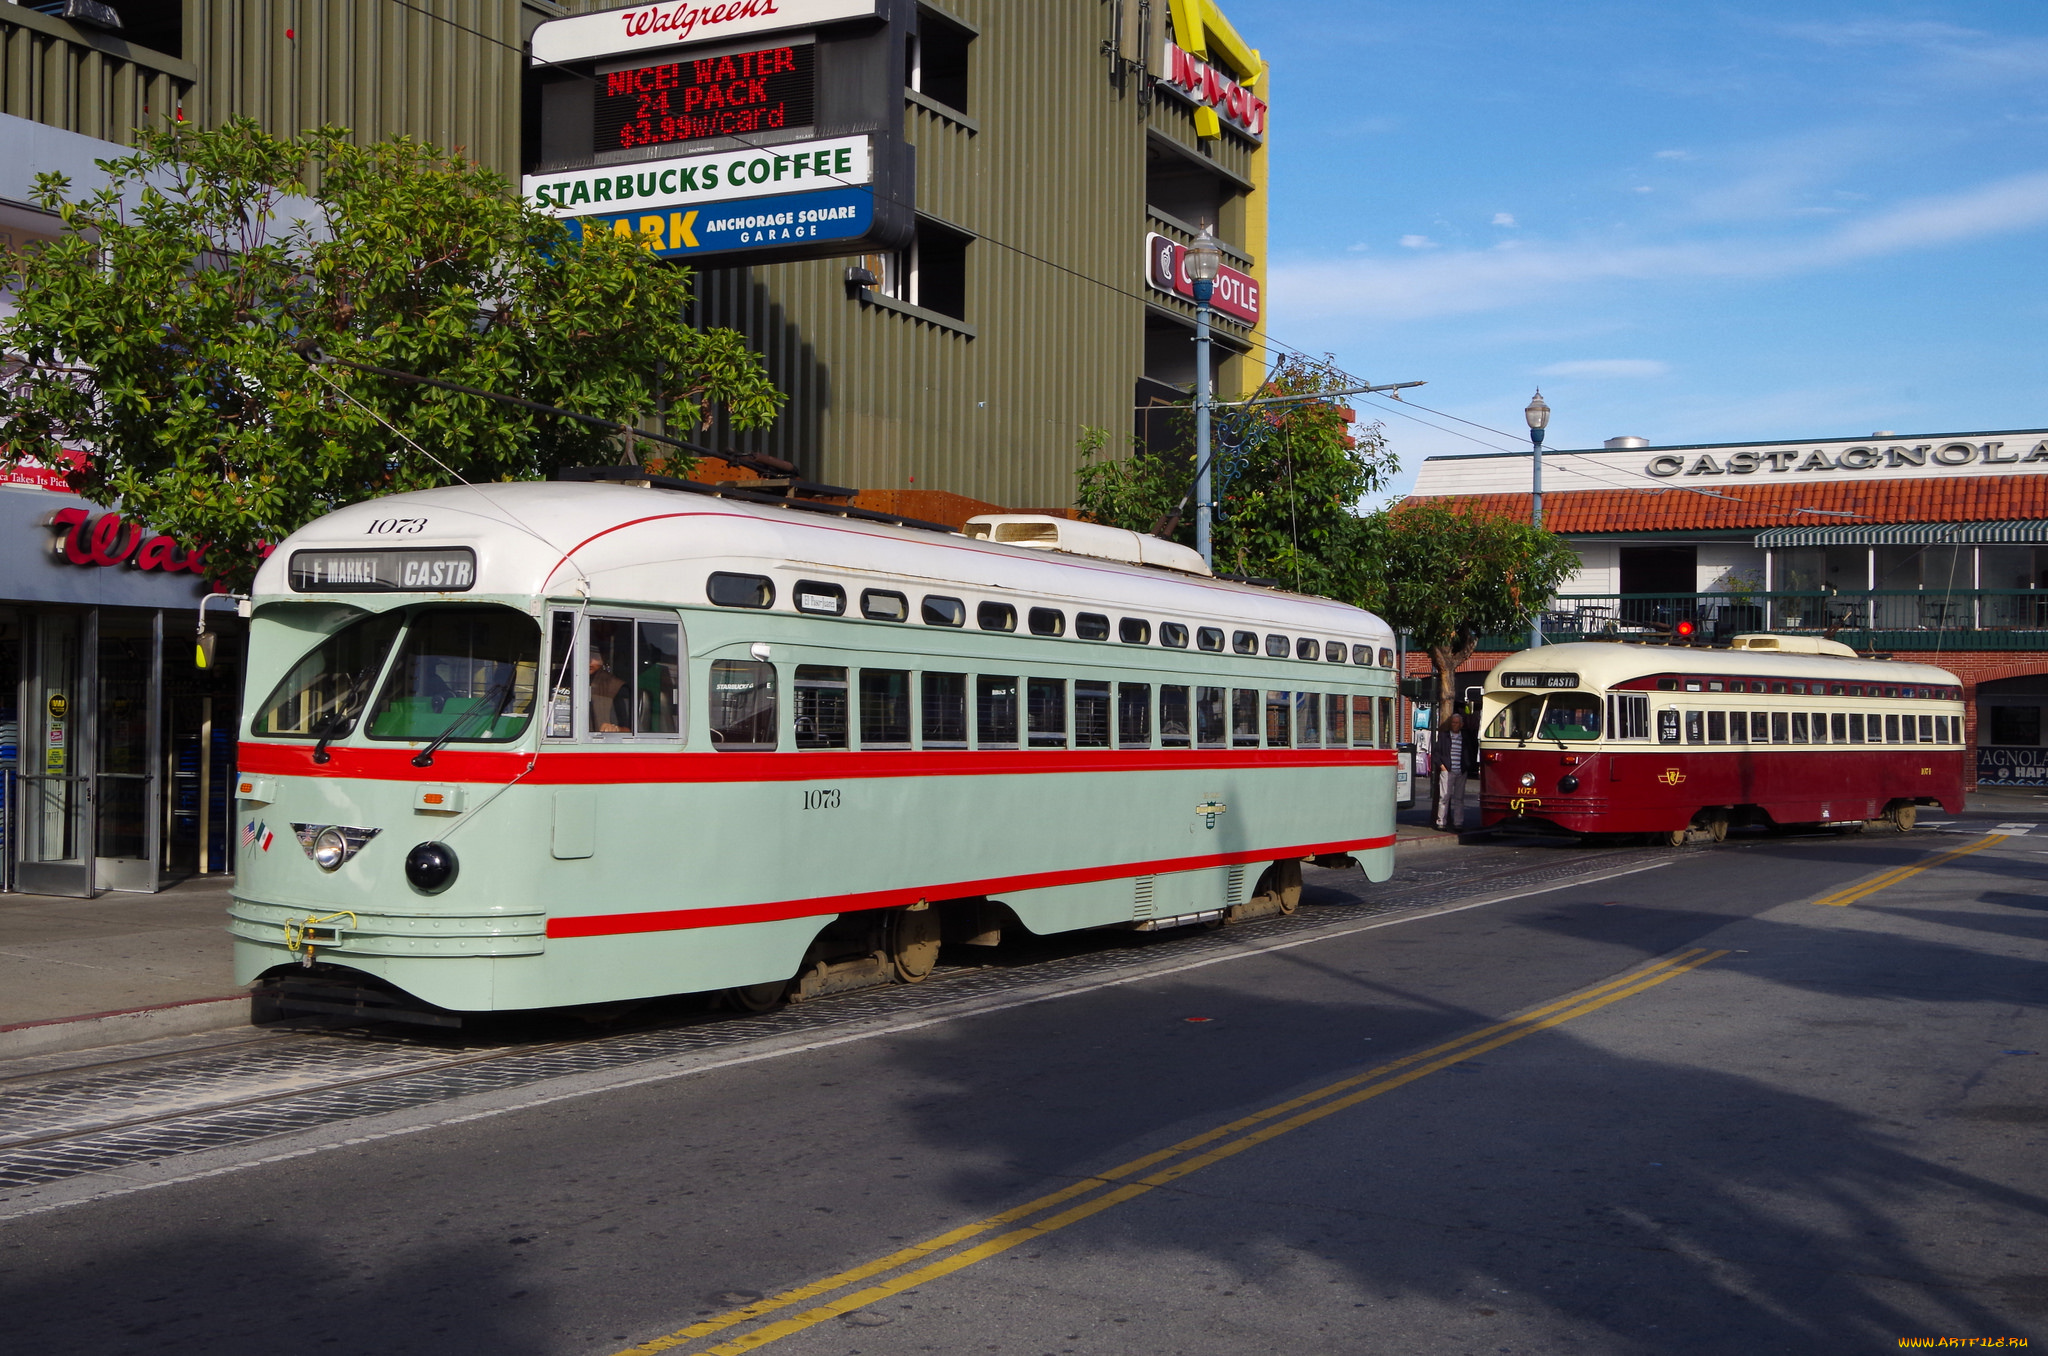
<point>158,334</point>
<point>1285,512</point>
<point>1448,576</point>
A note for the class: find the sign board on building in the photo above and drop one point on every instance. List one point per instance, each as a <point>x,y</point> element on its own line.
<point>1236,293</point>
<point>642,28</point>
<point>2011,765</point>
<point>1207,86</point>
<point>652,114</point>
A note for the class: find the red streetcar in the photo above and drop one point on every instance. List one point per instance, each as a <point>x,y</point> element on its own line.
<point>1676,740</point>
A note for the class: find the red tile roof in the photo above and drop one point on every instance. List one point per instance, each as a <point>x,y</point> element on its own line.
<point>1960,499</point>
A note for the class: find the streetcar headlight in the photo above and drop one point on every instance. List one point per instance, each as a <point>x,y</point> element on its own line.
<point>1567,784</point>
<point>330,848</point>
<point>1528,779</point>
<point>430,866</point>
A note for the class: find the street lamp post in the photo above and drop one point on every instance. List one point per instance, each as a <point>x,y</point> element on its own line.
<point>1538,415</point>
<point>1204,261</point>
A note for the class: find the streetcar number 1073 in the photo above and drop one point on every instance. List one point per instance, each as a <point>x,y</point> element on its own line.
<point>827,799</point>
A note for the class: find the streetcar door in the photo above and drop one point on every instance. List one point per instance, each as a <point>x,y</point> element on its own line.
<point>54,823</point>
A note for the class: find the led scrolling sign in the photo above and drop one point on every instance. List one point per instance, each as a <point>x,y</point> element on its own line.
<point>740,94</point>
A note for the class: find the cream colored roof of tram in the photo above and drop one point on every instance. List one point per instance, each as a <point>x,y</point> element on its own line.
<point>624,543</point>
<point>1602,665</point>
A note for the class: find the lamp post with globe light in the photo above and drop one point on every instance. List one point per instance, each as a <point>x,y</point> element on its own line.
<point>1538,415</point>
<point>1204,261</point>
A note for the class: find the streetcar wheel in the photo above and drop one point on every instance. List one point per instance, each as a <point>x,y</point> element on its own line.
<point>1717,826</point>
<point>1278,891</point>
<point>1904,817</point>
<point>758,997</point>
<point>1850,826</point>
<point>1675,838</point>
<point>914,943</point>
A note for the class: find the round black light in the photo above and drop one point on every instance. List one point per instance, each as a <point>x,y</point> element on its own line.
<point>430,866</point>
<point>1566,784</point>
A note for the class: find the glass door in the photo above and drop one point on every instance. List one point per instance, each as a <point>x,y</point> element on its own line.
<point>54,831</point>
<point>128,830</point>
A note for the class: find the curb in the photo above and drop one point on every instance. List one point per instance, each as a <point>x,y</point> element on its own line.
<point>188,1018</point>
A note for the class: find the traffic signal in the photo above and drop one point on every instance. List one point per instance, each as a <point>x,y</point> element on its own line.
<point>1684,630</point>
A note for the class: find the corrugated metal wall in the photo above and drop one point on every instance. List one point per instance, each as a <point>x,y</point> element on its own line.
<point>449,75</point>
<point>84,81</point>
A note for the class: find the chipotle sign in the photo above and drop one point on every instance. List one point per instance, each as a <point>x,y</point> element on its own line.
<point>1235,295</point>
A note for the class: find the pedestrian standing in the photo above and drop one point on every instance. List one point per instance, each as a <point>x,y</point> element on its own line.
<point>1450,774</point>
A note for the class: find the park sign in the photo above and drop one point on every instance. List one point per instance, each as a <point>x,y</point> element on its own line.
<point>655,119</point>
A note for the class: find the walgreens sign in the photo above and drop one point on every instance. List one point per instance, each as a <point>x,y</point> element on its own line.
<point>619,32</point>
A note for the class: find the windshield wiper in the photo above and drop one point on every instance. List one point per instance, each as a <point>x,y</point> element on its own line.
<point>342,719</point>
<point>425,757</point>
<point>328,729</point>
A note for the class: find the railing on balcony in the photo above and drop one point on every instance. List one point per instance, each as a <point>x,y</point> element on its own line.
<point>1875,619</point>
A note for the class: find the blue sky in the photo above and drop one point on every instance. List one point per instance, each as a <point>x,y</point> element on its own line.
<point>1692,222</point>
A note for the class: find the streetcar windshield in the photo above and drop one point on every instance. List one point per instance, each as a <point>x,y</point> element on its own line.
<point>464,672</point>
<point>1564,715</point>
<point>324,693</point>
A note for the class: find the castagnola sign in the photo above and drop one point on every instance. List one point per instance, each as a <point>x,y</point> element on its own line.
<point>1859,457</point>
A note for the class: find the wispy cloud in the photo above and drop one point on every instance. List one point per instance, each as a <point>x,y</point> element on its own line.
<point>1417,242</point>
<point>1466,281</point>
<point>1674,155</point>
<point>1503,218</point>
<point>1606,367</point>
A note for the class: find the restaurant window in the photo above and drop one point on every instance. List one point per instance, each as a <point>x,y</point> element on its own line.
<point>1279,732</point>
<point>1174,715</point>
<point>1045,701</point>
<point>742,702</point>
<point>820,712</point>
<point>1134,715</point>
<point>1244,718</point>
<point>945,710</point>
<point>995,712</point>
<point>1091,714</point>
<point>885,708</point>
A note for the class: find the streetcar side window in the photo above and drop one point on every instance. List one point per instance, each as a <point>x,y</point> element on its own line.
<point>1244,642</point>
<point>884,605</point>
<point>1927,729</point>
<point>1667,685</point>
<point>825,600</point>
<point>1855,727</point>
<point>820,697</point>
<point>944,611</point>
<point>1091,714</point>
<point>1799,727</point>
<point>1173,635</point>
<point>1308,724</point>
<point>1333,719</point>
<point>1091,626</point>
<point>1277,725</point>
<point>657,708</point>
<point>1134,715</point>
<point>1277,647</point>
<point>1820,727</point>
<point>995,712</point>
<point>609,645</point>
<point>1361,723</point>
<point>1695,727</point>
<point>1333,650</point>
<point>1667,725</point>
<point>1209,638</point>
<point>1212,717</point>
<point>1307,647</point>
<point>1386,726</point>
<point>996,617</point>
<point>945,710</point>
<point>1244,716</point>
<point>1174,714</point>
<point>1838,728</point>
<point>1628,715</point>
<point>740,590</point>
<point>1759,727</point>
<point>885,708</point>
<point>1781,727</point>
<point>1738,727</point>
<point>1891,729</point>
<point>742,702</point>
<point>1717,727</point>
<point>1045,703</point>
<point>1047,621</point>
<point>1134,631</point>
<point>562,676</point>
<point>1386,662</point>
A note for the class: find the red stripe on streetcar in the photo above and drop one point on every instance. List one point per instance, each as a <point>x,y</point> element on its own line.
<point>635,766</point>
<point>676,920</point>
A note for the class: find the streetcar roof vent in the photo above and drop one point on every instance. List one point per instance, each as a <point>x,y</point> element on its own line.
<point>1793,645</point>
<point>1044,532</point>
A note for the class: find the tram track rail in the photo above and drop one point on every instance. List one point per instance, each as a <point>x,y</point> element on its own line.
<point>57,1124</point>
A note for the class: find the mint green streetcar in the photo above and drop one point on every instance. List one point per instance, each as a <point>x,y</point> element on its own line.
<point>533,745</point>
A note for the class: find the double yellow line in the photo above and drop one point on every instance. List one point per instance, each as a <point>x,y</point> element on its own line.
<point>1900,873</point>
<point>943,1255</point>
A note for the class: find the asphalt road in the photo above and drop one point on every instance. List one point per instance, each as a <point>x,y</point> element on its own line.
<point>1695,1107</point>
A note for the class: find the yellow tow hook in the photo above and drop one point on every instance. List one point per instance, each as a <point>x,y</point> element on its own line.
<point>298,936</point>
